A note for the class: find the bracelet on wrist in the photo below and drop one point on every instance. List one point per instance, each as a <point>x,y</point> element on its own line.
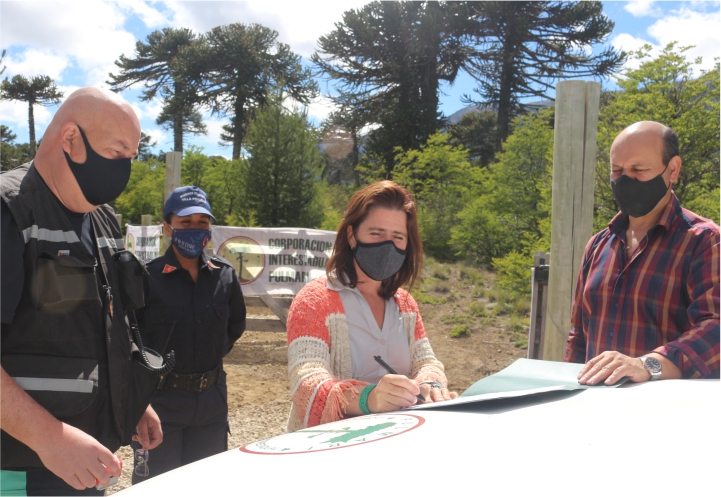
<point>363,399</point>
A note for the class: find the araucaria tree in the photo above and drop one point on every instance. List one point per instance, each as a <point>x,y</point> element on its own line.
<point>38,90</point>
<point>236,65</point>
<point>390,58</point>
<point>283,167</point>
<point>524,48</point>
<point>155,65</point>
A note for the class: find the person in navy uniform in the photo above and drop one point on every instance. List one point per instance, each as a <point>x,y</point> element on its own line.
<point>194,306</point>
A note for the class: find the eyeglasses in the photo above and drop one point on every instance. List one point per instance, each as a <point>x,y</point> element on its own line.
<point>141,462</point>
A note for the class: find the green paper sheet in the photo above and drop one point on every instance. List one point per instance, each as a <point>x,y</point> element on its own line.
<point>527,374</point>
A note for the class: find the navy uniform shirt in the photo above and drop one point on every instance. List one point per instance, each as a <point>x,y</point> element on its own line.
<point>199,320</point>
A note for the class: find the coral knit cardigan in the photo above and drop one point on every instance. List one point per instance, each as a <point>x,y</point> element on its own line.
<point>319,361</point>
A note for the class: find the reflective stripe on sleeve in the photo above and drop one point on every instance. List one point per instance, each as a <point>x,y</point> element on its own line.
<point>54,384</point>
<point>49,235</point>
<point>116,243</point>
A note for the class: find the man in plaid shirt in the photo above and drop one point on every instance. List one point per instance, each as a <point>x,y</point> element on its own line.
<point>647,296</point>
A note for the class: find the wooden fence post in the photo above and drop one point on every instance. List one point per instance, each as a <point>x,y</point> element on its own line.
<point>574,161</point>
<point>172,181</point>
<point>146,220</point>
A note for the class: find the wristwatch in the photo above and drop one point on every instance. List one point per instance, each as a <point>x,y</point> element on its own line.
<point>651,365</point>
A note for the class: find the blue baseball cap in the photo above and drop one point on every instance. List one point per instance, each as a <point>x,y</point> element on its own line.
<point>187,200</point>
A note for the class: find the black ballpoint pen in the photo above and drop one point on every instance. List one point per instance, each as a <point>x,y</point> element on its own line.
<point>390,371</point>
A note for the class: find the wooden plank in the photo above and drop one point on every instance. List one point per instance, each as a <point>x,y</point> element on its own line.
<point>539,293</point>
<point>574,150</point>
<point>255,301</point>
<point>172,180</point>
<point>275,307</point>
<point>146,220</point>
<point>264,323</point>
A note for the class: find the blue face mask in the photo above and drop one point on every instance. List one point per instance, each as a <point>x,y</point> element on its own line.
<point>190,242</point>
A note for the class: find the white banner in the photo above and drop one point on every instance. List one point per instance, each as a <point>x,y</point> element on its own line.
<point>144,241</point>
<point>275,261</point>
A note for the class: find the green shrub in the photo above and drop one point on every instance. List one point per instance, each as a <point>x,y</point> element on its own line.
<point>513,273</point>
<point>429,299</point>
<point>478,309</point>
<point>460,330</point>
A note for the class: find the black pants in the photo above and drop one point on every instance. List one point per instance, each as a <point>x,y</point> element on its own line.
<point>195,426</point>
<point>41,481</point>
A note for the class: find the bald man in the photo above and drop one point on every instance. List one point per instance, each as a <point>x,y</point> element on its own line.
<point>647,295</point>
<point>69,393</point>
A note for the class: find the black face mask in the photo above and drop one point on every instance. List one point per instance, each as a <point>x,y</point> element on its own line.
<point>638,198</point>
<point>101,180</point>
<point>379,260</point>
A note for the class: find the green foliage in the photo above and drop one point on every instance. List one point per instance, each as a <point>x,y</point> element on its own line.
<point>513,273</point>
<point>668,89</point>
<point>476,131</point>
<point>460,330</point>
<point>333,199</point>
<point>283,168</point>
<point>512,203</point>
<point>12,154</point>
<point>144,193</point>
<point>441,179</point>
<point>429,299</point>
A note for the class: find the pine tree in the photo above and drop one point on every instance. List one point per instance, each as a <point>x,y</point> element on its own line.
<point>156,65</point>
<point>524,48</point>
<point>390,58</point>
<point>236,65</point>
<point>38,90</point>
<point>283,167</point>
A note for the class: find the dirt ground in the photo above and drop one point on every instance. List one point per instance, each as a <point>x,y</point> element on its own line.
<point>258,391</point>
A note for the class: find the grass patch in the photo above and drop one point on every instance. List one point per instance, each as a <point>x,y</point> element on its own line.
<point>471,275</point>
<point>478,309</point>
<point>521,306</point>
<point>479,292</point>
<point>456,319</point>
<point>440,272</point>
<point>430,299</point>
<point>460,330</point>
<point>519,331</point>
<point>441,286</point>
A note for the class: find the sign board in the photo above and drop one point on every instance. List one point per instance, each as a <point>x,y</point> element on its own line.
<point>144,241</point>
<point>274,261</point>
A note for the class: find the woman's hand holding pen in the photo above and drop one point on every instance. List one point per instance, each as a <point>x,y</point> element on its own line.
<point>394,391</point>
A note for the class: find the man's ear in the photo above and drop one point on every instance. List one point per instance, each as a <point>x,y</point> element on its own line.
<point>674,166</point>
<point>72,142</point>
<point>351,237</point>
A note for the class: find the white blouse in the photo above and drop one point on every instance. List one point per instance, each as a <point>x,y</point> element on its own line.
<point>367,340</point>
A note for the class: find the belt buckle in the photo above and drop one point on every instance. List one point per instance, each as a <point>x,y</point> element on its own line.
<point>202,382</point>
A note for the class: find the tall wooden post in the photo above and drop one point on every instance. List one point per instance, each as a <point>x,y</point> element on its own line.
<point>172,181</point>
<point>146,220</point>
<point>574,161</point>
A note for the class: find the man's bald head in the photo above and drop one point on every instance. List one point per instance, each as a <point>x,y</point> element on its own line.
<point>650,132</point>
<point>111,127</point>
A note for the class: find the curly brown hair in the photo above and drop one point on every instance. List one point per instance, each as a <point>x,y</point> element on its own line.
<point>386,195</point>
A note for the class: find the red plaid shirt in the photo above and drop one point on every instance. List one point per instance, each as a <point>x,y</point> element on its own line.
<point>665,299</point>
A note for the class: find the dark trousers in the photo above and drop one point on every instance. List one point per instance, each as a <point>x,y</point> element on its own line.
<point>39,481</point>
<point>195,426</point>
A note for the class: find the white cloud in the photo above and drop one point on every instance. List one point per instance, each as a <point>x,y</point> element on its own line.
<point>641,8</point>
<point>35,62</point>
<point>320,108</point>
<point>150,16</point>
<point>215,128</point>
<point>630,43</point>
<point>15,115</point>
<point>690,27</point>
<point>685,26</point>
<point>159,136</point>
<point>147,110</point>
<point>299,24</point>
<point>89,33</point>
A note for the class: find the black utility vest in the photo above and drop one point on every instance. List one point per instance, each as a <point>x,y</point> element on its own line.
<point>68,345</point>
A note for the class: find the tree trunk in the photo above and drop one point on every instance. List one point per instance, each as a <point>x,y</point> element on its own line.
<point>505,95</point>
<point>178,132</point>
<point>31,125</point>
<point>239,131</point>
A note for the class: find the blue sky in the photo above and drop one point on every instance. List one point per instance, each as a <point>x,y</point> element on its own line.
<point>76,43</point>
